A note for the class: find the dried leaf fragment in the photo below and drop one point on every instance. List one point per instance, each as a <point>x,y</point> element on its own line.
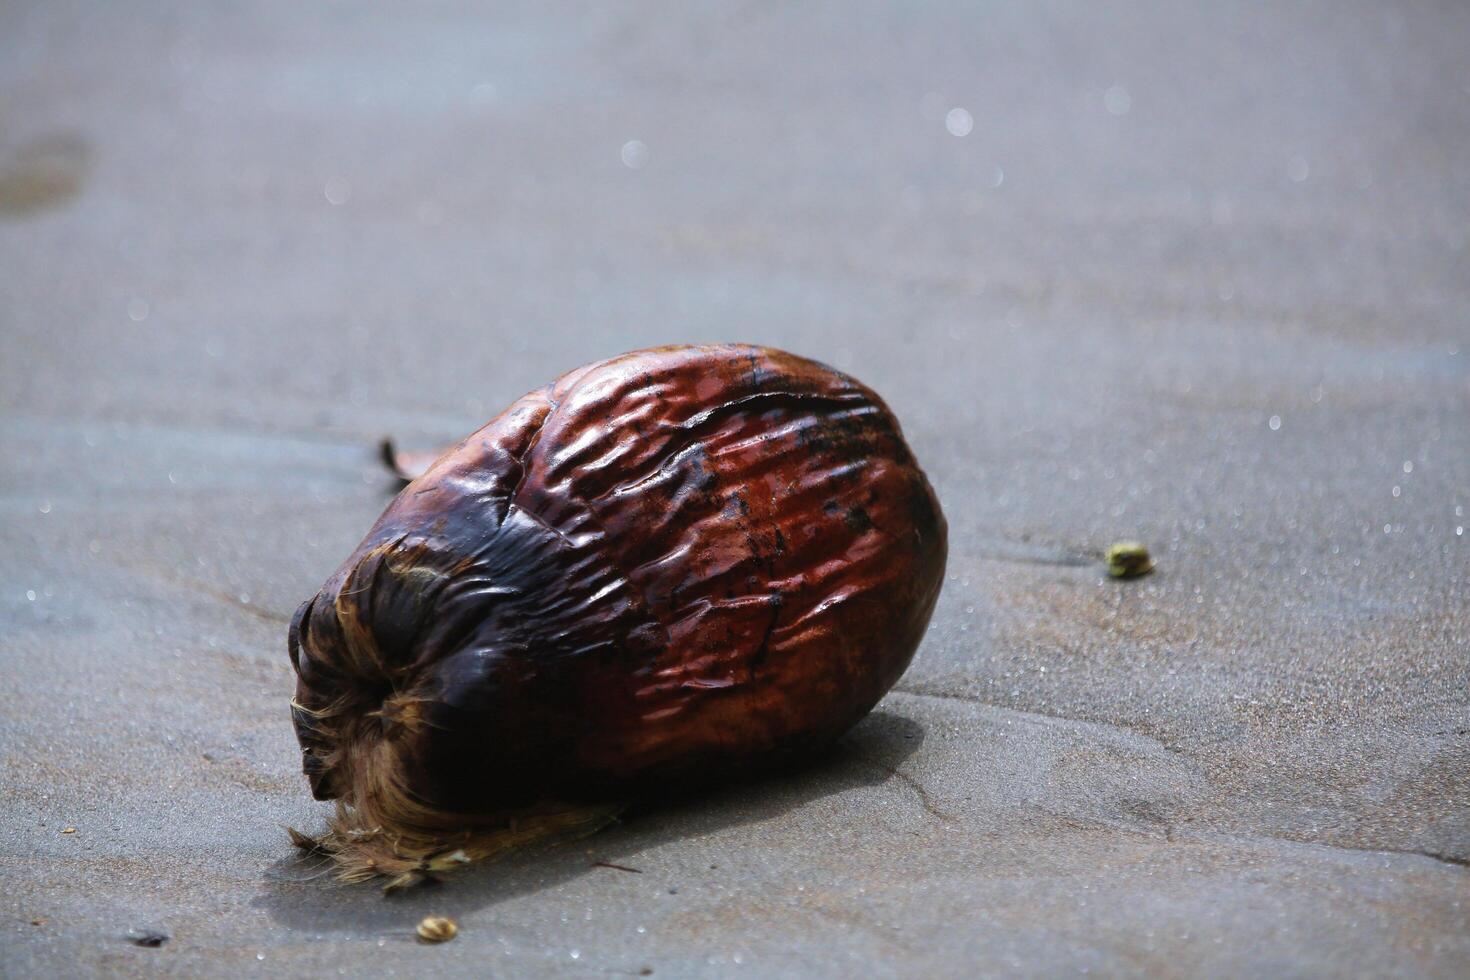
<point>407,880</point>
<point>307,843</point>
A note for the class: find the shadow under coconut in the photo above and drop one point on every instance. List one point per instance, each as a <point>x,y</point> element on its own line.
<point>301,893</point>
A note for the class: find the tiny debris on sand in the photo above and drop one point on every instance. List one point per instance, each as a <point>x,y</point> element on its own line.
<point>1129,559</point>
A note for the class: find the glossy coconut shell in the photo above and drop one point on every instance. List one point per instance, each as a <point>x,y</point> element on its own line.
<point>674,562</point>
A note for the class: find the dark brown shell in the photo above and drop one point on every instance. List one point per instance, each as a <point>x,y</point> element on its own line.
<point>682,559</point>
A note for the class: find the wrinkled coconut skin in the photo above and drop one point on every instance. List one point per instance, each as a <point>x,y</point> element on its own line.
<point>675,562</point>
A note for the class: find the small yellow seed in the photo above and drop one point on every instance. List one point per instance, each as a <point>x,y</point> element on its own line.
<point>1129,559</point>
<point>437,929</point>
<point>69,830</point>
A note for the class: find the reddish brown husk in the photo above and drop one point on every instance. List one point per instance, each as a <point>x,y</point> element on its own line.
<point>687,560</point>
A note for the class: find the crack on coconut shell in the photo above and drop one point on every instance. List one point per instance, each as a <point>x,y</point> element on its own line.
<point>409,858</point>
